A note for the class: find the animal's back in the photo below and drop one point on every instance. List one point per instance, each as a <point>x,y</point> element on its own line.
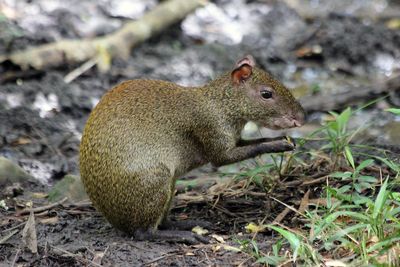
<point>131,148</point>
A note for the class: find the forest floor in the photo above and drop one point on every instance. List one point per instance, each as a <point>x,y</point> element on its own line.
<point>42,118</point>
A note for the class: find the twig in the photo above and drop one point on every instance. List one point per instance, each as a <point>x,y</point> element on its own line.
<point>81,204</point>
<point>208,259</point>
<point>14,227</point>
<point>256,194</point>
<point>315,181</point>
<point>169,254</point>
<point>223,210</point>
<point>77,257</point>
<point>4,239</point>
<point>78,71</point>
<point>15,258</point>
<point>244,261</point>
<point>43,208</point>
<point>82,212</point>
<point>304,202</point>
<point>98,257</point>
<point>290,207</point>
<point>281,215</point>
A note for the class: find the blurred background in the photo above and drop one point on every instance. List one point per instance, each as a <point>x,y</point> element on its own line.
<point>333,54</point>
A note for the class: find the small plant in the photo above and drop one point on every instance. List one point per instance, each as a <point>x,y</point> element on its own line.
<point>339,136</point>
<point>394,110</point>
<point>249,247</point>
<point>358,223</point>
<point>274,258</point>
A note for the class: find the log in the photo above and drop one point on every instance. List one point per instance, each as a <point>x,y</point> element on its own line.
<point>327,102</point>
<point>117,44</point>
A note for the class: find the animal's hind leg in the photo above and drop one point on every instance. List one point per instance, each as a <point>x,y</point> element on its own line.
<point>167,224</point>
<point>152,232</point>
<point>167,205</point>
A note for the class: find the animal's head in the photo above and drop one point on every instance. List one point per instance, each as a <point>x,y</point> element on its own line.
<point>266,100</point>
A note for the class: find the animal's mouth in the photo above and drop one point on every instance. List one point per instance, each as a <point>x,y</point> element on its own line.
<point>284,123</point>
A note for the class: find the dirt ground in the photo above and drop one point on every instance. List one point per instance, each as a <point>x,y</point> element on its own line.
<point>75,236</point>
<point>42,136</point>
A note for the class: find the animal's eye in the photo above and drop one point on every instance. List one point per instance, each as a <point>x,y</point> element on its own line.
<point>266,94</point>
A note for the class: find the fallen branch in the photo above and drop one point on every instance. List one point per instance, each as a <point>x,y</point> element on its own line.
<point>43,208</point>
<point>78,71</point>
<point>15,258</point>
<point>4,239</point>
<point>117,44</point>
<point>77,257</point>
<point>326,102</point>
<point>281,216</point>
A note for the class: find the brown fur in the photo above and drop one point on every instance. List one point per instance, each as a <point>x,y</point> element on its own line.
<point>144,134</point>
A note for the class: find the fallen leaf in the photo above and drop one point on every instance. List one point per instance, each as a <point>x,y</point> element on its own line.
<point>282,215</point>
<point>51,220</point>
<point>103,59</point>
<point>29,237</point>
<point>21,141</point>
<point>216,248</point>
<point>335,263</point>
<point>219,238</point>
<point>199,230</point>
<point>39,195</point>
<point>254,228</point>
<point>309,51</point>
<point>98,257</point>
<point>231,248</point>
<point>29,204</point>
<point>393,24</point>
<point>304,202</point>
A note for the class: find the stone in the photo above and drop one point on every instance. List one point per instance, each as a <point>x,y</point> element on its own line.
<point>69,186</point>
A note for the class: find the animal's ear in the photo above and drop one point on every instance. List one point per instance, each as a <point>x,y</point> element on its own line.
<point>243,69</point>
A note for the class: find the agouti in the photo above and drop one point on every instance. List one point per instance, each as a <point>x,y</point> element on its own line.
<point>144,134</point>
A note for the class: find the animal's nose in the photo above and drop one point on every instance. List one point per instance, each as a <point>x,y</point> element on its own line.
<point>296,123</point>
<point>299,119</point>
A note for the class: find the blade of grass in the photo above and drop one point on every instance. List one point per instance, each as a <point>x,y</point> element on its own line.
<point>380,200</point>
<point>293,240</point>
<point>349,156</point>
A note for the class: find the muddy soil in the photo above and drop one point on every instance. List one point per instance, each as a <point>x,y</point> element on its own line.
<point>42,119</point>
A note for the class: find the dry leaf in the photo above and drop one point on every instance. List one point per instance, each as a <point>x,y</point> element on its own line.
<point>98,257</point>
<point>216,248</point>
<point>40,195</point>
<point>199,230</point>
<point>29,234</point>
<point>231,248</point>
<point>51,220</point>
<point>335,263</point>
<point>29,204</point>
<point>304,202</point>
<point>282,215</point>
<point>21,141</point>
<point>219,238</point>
<point>254,228</point>
<point>308,51</point>
<point>103,59</point>
<point>393,24</point>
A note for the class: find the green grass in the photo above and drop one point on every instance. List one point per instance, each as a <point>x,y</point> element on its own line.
<point>359,224</point>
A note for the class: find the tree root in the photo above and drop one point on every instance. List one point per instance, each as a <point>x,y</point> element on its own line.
<point>117,44</point>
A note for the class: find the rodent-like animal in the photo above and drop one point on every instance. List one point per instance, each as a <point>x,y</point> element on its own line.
<point>144,134</point>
